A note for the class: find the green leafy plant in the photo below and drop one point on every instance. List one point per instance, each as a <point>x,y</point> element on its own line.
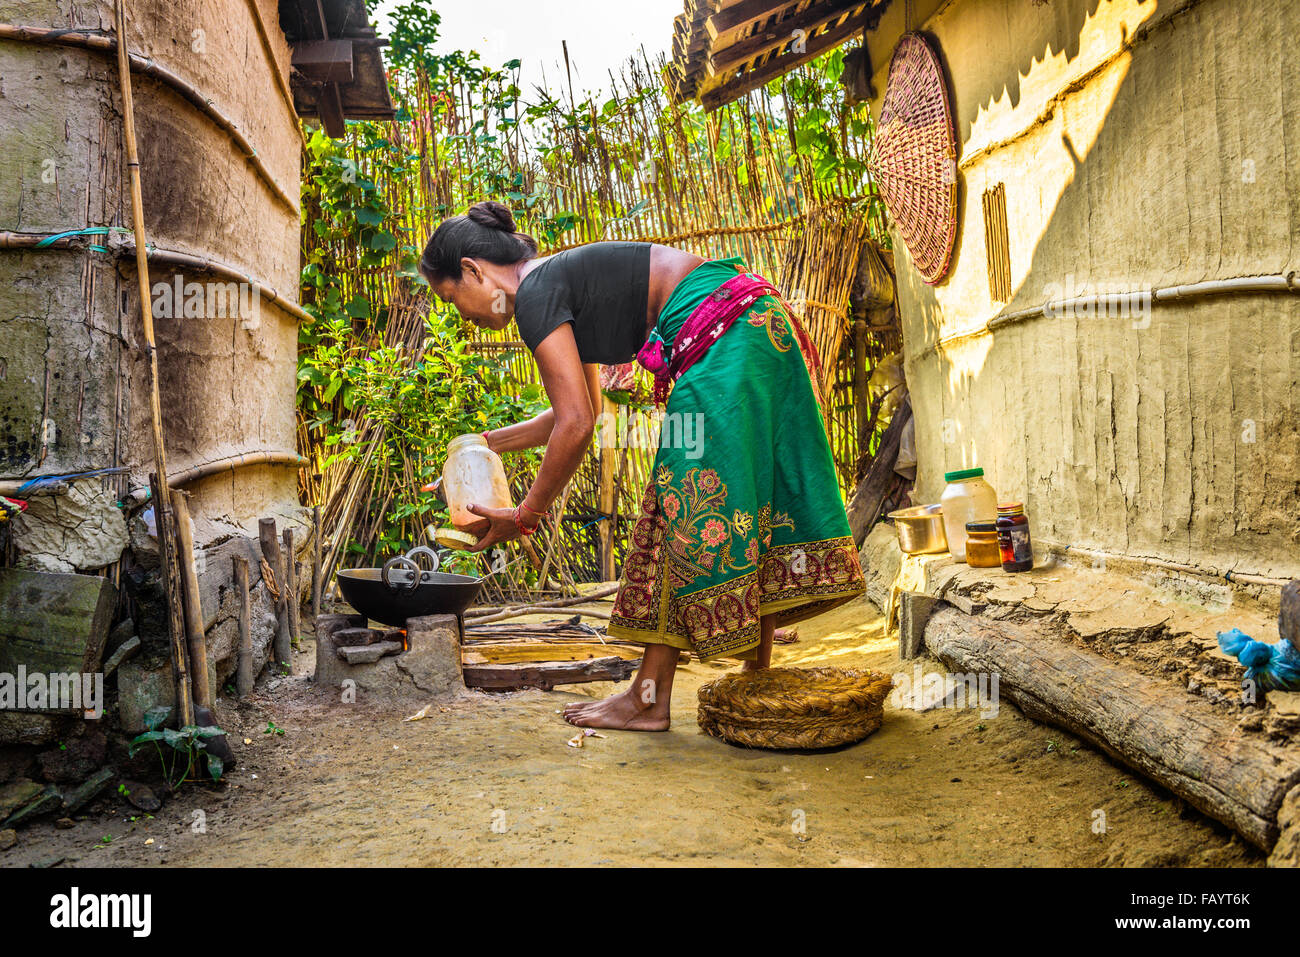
<point>272,728</point>
<point>187,744</point>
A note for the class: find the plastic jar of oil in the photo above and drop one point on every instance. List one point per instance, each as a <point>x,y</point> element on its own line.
<point>473,475</point>
<point>982,545</point>
<point>966,498</point>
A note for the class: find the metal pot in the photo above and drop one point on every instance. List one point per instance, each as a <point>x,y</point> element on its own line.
<point>402,590</point>
<point>920,529</point>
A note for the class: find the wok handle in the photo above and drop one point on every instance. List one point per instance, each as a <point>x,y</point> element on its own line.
<point>400,561</point>
<point>424,550</point>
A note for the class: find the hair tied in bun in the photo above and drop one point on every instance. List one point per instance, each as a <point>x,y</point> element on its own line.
<point>486,231</point>
<point>493,215</point>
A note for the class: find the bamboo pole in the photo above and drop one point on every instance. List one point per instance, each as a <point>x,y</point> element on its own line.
<point>161,492</point>
<point>194,634</point>
<point>164,523</point>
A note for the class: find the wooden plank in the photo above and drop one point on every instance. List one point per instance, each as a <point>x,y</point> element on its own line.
<point>515,652</point>
<point>727,26</point>
<point>53,622</point>
<point>1179,740</point>
<point>324,61</point>
<point>545,676</point>
<point>724,93</point>
<point>777,35</point>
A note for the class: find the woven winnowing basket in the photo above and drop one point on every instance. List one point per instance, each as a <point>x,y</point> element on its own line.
<point>794,707</point>
<point>914,156</point>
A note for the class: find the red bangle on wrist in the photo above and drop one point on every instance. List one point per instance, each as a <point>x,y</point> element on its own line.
<point>523,529</point>
<point>525,505</point>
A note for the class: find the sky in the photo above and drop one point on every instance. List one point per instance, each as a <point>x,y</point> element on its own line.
<point>601,34</point>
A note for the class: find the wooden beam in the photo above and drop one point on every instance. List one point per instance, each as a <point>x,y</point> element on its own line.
<point>776,36</point>
<point>330,110</point>
<point>724,93</point>
<point>325,61</point>
<point>727,26</point>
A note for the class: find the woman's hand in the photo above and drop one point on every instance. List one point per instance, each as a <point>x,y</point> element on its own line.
<point>501,526</point>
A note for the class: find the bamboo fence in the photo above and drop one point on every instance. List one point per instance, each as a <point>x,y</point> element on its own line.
<point>726,183</point>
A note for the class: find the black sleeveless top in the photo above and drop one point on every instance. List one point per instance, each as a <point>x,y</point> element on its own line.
<point>602,288</point>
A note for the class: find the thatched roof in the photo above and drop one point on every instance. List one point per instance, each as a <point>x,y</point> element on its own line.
<point>338,72</point>
<point>722,49</point>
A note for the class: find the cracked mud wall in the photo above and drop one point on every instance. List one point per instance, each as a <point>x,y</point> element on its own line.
<point>1143,144</point>
<point>73,377</point>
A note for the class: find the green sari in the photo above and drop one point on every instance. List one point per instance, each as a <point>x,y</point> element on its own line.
<point>746,519</point>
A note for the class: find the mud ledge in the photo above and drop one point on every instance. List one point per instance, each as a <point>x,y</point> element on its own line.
<point>1128,662</point>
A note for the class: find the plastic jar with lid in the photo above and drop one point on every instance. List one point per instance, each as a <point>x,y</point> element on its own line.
<point>982,545</point>
<point>967,498</point>
<point>473,475</point>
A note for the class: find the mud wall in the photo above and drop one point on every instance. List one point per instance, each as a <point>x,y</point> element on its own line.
<point>74,385</point>
<point>1143,144</point>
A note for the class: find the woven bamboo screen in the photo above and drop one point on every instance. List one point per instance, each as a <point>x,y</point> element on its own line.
<point>914,158</point>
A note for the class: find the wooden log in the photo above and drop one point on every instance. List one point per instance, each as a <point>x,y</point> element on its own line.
<point>165,524</point>
<point>1179,740</point>
<point>366,654</point>
<point>282,650</point>
<point>547,675</point>
<point>244,662</point>
<point>195,639</point>
<point>291,587</point>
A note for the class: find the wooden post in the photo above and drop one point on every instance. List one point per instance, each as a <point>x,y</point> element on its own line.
<point>315,564</point>
<point>244,668</point>
<point>195,638</point>
<point>164,522</point>
<point>291,587</point>
<point>282,650</point>
<point>861,401</point>
<point>609,452</point>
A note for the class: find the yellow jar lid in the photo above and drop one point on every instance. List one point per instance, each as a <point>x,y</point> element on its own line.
<point>449,537</point>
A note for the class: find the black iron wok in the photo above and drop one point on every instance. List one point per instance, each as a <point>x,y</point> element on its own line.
<point>401,590</point>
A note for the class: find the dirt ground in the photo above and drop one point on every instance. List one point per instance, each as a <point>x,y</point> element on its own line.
<point>490,781</point>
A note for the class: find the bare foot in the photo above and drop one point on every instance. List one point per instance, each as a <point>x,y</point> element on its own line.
<point>624,711</point>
